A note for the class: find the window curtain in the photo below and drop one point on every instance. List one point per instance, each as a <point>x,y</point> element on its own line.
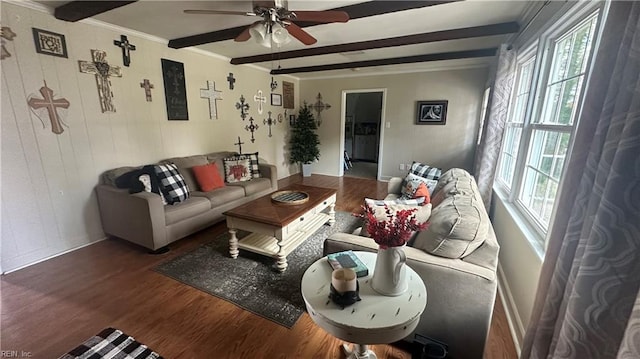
<point>588,299</point>
<point>488,151</point>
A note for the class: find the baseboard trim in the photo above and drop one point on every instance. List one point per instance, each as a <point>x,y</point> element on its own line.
<point>513,320</point>
<point>53,256</point>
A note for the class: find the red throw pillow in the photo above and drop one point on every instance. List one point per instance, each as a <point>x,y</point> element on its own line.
<point>208,177</point>
<point>423,191</point>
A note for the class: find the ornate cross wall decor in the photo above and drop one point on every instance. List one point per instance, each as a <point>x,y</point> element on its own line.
<point>147,86</point>
<point>102,70</point>
<point>269,122</point>
<point>126,48</point>
<point>260,100</point>
<point>252,127</point>
<point>281,117</point>
<point>243,107</point>
<point>231,80</point>
<point>213,96</point>
<point>273,85</point>
<point>48,102</point>
<point>5,34</point>
<point>239,144</point>
<point>319,106</point>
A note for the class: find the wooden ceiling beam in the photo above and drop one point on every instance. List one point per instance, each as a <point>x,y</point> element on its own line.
<point>78,10</point>
<point>392,61</point>
<point>454,34</point>
<point>355,11</point>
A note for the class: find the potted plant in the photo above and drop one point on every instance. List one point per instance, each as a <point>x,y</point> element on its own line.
<point>304,140</point>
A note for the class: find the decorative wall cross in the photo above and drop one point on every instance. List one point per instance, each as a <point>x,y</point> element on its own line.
<point>5,34</point>
<point>213,96</point>
<point>319,106</point>
<point>126,48</point>
<point>243,107</point>
<point>252,127</point>
<point>239,144</point>
<point>231,80</point>
<point>102,70</point>
<point>260,100</point>
<point>147,86</point>
<point>269,122</point>
<point>48,102</point>
<point>273,85</point>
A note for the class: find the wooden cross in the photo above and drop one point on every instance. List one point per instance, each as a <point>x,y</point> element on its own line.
<point>147,86</point>
<point>212,95</point>
<point>102,70</point>
<point>318,107</point>
<point>260,100</point>
<point>126,48</point>
<point>243,107</point>
<point>252,127</point>
<point>6,34</point>
<point>239,144</point>
<point>51,105</point>
<point>269,122</point>
<point>231,80</point>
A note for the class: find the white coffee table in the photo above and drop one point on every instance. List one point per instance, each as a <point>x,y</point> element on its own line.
<point>376,319</point>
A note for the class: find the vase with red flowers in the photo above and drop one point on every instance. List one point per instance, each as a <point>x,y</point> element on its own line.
<point>391,230</point>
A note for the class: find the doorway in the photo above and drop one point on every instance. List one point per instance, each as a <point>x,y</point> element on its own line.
<point>362,119</point>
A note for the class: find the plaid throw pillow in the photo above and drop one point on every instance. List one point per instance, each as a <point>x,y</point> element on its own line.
<point>425,171</point>
<point>174,187</point>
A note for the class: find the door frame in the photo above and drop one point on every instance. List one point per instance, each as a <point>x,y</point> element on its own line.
<point>343,108</point>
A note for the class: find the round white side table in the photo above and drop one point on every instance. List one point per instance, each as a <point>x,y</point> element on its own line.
<point>376,319</point>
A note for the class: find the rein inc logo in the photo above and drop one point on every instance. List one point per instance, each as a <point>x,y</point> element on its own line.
<point>15,354</point>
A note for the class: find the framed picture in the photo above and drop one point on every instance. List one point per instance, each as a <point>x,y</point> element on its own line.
<point>175,90</point>
<point>49,43</point>
<point>431,112</point>
<point>276,99</point>
<point>292,120</point>
<point>288,92</point>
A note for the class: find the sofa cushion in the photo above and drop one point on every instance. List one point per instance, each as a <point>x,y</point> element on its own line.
<point>184,166</point>
<point>191,207</point>
<point>254,186</point>
<point>456,228</point>
<point>449,176</point>
<point>174,187</point>
<point>461,185</point>
<point>222,195</point>
<point>208,177</point>
<point>237,169</point>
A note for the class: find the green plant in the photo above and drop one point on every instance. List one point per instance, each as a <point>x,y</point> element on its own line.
<point>304,139</point>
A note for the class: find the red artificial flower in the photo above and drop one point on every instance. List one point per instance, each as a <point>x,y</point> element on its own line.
<point>396,230</point>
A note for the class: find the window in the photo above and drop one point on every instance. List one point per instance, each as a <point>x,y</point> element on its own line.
<point>543,114</point>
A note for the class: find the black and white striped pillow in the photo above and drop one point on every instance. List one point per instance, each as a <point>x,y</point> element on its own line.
<point>174,187</point>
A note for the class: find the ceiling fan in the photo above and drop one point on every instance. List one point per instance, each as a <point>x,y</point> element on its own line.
<point>278,22</point>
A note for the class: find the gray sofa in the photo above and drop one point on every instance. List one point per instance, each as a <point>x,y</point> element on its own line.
<point>457,258</point>
<point>141,217</point>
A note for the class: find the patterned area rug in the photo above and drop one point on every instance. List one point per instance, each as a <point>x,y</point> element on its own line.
<point>252,281</point>
<point>111,344</point>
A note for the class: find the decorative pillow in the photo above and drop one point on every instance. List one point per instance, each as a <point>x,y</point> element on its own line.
<point>174,186</point>
<point>425,171</point>
<point>422,192</point>
<point>422,213</point>
<point>456,228</point>
<point>208,177</point>
<point>255,165</point>
<point>146,182</point>
<point>237,169</point>
<point>412,182</point>
<point>409,202</point>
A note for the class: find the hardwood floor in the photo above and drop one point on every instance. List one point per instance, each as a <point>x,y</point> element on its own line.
<point>49,308</point>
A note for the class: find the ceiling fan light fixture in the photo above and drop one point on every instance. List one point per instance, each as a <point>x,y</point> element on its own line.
<point>279,34</point>
<point>259,33</point>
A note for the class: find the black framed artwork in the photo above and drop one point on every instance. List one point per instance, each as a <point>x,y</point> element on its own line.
<point>49,43</point>
<point>431,112</point>
<point>276,99</point>
<point>175,90</point>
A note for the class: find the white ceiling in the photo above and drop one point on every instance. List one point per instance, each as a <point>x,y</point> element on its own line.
<point>165,19</point>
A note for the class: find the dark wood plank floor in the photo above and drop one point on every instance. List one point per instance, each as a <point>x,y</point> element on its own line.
<point>49,308</point>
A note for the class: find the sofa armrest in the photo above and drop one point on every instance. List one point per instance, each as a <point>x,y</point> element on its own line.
<point>394,186</point>
<point>137,217</point>
<point>271,172</point>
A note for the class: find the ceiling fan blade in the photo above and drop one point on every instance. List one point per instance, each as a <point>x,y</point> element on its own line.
<point>219,12</point>
<point>321,16</point>
<point>301,35</point>
<point>246,33</point>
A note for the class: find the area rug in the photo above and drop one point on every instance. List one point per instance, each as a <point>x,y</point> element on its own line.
<point>252,281</point>
<point>111,344</point>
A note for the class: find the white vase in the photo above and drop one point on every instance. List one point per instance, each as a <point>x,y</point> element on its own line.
<point>389,277</point>
<point>306,169</point>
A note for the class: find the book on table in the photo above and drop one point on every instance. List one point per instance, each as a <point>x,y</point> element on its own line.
<point>348,259</point>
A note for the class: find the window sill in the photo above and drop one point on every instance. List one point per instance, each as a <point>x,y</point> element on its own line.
<point>534,239</point>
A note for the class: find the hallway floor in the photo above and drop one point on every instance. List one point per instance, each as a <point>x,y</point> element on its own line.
<point>362,170</point>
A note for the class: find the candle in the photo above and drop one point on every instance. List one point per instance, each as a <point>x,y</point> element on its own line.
<point>344,280</point>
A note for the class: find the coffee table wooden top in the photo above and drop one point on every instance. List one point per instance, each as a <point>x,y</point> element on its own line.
<point>263,210</point>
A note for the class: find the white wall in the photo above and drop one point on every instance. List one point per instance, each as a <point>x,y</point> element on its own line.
<point>452,145</point>
<point>48,202</point>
